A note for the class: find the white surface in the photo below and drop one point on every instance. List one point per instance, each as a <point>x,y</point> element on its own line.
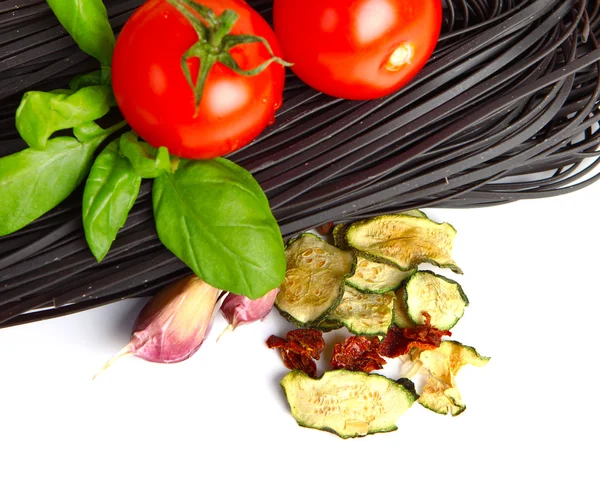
<point>219,420</point>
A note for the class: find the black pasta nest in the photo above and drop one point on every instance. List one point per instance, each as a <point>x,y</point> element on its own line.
<point>506,109</point>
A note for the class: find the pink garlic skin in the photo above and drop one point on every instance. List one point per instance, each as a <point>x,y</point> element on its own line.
<point>175,322</point>
<point>239,310</point>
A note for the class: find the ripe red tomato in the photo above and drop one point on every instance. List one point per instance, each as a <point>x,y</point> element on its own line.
<point>157,100</point>
<point>357,49</point>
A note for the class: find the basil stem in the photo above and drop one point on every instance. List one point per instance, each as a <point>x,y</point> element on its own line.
<point>147,161</point>
<point>110,192</point>
<point>215,217</point>
<point>87,23</point>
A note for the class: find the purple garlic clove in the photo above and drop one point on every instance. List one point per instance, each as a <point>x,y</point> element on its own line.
<point>174,323</point>
<point>239,310</point>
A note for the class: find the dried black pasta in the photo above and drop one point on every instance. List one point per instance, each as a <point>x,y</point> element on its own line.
<point>506,109</point>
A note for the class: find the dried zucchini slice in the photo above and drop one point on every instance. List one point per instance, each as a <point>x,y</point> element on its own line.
<point>442,298</point>
<point>375,277</point>
<point>349,404</point>
<point>404,241</point>
<point>314,279</point>
<point>440,393</point>
<point>339,231</point>
<point>367,314</point>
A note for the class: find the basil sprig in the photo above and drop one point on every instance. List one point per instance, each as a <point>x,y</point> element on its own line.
<point>212,214</point>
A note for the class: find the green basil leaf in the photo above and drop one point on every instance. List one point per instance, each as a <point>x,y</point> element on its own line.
<point>215,217</point>
<point>40,114</point>
<point>98,77</point>
<point>86,80</point>
<point>87,23</point>
<point>147,161</point>
<point>89,131</point>
<point>110,192</point>
<point>35,181</point>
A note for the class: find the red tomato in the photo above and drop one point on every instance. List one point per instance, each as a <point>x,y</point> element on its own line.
<point>357,49</point>
<point>157,101</point>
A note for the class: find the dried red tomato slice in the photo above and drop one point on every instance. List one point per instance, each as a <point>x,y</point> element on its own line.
<point>325,229</point>
<point>399,341</point>
<point>300,349</point>
<point>310,340</point>
<point>357,353</point>
<point>275,342</point>
<point>299,361</point>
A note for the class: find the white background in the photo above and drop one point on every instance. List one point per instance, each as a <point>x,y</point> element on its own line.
<point>220,421</point>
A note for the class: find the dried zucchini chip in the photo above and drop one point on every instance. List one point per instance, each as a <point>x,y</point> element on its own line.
<point>314,279</point>
<point>367,314</point>
<point>442,298</point>
<point>440,393</point>
<point>349,404</point>
<point>404,241</point>
<point>339,231</point>
<point>375,277</point>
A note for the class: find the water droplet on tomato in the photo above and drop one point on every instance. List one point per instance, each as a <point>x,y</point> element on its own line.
<point>264,100</point>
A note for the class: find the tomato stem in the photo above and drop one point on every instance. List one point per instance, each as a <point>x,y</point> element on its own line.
<point>225,23</point>
<point>214,43</point>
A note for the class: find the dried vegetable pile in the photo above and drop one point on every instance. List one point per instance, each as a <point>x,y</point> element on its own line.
<point>377,281</point>
<point>511,91</point>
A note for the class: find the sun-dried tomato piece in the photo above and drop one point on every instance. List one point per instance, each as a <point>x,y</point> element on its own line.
<point>299,361</point>
<point>325,229</point>
<point>310,340</point>
<point>357,353</point>
<point>399,341</point>
<point>300,348</point>
<point>275,342</point>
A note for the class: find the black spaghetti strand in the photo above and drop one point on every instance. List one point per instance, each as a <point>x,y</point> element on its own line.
<point>506,109</point>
